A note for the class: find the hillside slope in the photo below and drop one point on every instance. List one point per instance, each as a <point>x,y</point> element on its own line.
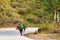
<point>33,13</point>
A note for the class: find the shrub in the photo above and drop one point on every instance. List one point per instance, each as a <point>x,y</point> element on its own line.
<point>21,12</point>
<point>11,0</point>
<point>8,14</point>
<point>29,20</point>
<point>34,21</point>
<point>14,22</point>
<point>1,9</point>
<point>28,10</point>
<point>15,4</point>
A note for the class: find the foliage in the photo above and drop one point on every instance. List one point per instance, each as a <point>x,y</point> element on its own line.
<point>34,13</point>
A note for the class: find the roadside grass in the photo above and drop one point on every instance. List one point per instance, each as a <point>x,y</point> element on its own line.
<point>56,36</point>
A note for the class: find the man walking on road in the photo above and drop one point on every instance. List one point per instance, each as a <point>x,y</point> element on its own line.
<point>21,27</point>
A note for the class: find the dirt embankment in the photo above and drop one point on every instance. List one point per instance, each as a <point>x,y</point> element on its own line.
<point>44,36</point>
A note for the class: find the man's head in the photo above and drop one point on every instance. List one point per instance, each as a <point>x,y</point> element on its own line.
<point>20,23</point>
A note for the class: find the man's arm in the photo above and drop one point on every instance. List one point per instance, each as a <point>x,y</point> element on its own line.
<point>24,27</point>
<point>17,27</point>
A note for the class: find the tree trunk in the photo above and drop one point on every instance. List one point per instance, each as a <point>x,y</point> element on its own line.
<point>57,17</point>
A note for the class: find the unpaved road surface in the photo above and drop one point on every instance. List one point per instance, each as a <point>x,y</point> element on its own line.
<point>13,34</point>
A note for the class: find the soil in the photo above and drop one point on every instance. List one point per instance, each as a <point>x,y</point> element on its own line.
<point>44,36</point>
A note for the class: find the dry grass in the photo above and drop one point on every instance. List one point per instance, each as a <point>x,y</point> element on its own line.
<point>44,36</point>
